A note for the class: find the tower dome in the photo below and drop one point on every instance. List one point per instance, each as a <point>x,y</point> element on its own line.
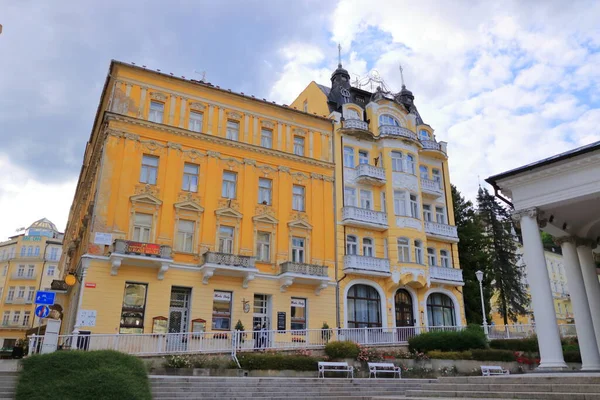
<point>42,227</point>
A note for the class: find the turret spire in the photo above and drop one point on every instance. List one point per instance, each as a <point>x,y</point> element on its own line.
<point>401,75</point>
<point>339,55</point>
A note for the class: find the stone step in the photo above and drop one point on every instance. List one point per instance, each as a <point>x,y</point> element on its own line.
<point>276,398</point>
<point>526,379</point>
<point>494,387</point>
<point>260,395</point>
<point>502,395</point>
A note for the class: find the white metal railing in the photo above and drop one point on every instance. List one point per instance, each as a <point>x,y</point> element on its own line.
<point>355,124</point>
<point>370,171</point>
<point>393,131</point>
<point>431,186</point>
<point>436,228</point>
<point>364,215</point>
<point>447,274</point>
<point>365,263</point>
<point>432,145</point>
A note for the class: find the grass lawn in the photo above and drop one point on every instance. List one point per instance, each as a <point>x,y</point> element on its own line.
<point>83,375</point>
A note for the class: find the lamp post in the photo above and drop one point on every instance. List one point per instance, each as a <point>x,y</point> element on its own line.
<point>479,275</point>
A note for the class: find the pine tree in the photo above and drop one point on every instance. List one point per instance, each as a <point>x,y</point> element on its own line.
<point>507,275</point>
<point>472,257</point>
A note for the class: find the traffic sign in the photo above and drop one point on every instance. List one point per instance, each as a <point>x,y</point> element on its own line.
<point>42,311</point>
<point>46,298</point>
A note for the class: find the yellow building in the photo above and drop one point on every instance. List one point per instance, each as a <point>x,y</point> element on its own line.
<point>396,240</point>
<point>560,293</point>
<point>197,207</point>
<point>28,262</point>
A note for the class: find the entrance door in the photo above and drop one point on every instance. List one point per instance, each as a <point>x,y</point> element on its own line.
<point>404,315</point>
<point>178,319</point>
<point>261,321</point>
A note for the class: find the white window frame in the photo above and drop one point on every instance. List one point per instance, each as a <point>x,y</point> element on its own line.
<point>185,235</point>
<point>349,196</point>
<point>414,205</point>
<point>21,292</point>
<point>266,138</point>
<point>387,119</point>
<point>397,161</point>
<point>10,296</point>
<point>440,215</point>
<point>410,164</point>
<point>363,157</point>
<point>298,249</point>
<point>226,236</point>
<point>6,318</point>
<point>400,203</point>
<point>156,112</point>
<point>229,185</point>
<point>368,247</point>
<point>265,191</point>
<point>445,259</point>
<point>403,249</point>
<point>431,257</point>
<point>348,157</point>
<point>299,143</point>
<point>232,131</point>
<point>142,231</point>
<point>20,271</point>
<point>30,271</point>
<point>31,293</point>
<point>196,121</point>
<point>366,199</point>
<point>26,318</point>
<point>351,245</point>
<point>263,246</point>
<point>419,252</point>
<point>149,169</point>
<point>423,172</point>
<point>427,216</point>
<point>190,177</point>
<point>298,198</point>
<point>16,317</point>
<point>437,176</point>
<point>424,135</point>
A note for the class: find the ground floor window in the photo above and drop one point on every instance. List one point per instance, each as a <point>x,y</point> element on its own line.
<point>440,310</point>
<point>134,307</point>
<point>298,313</point>
<point>364,307</point>
<point>221,316</point>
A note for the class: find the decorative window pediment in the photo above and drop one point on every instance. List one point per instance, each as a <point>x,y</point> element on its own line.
<point>228,212</point>
<point>301,224</point>
<point>145,198</point>
<point>266,218</point>
<point>189,205</point>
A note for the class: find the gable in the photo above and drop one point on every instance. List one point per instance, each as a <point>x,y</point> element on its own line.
<point>145,198</point>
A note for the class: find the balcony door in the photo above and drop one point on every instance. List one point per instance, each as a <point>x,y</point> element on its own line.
<point>179,319</point>
<point>261,321</point>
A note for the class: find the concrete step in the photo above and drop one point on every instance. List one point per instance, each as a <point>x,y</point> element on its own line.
<point>276,398</point>
<point>502,395</point>
<point>527,379</point>
<point>261,395</point>
<point>494,387</point>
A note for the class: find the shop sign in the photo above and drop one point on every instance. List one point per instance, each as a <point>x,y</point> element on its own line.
<point>143,248</point>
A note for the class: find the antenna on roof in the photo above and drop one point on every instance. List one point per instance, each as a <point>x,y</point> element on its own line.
<point>339,55</point>
<point>203,73</point>
<point>401,74</point>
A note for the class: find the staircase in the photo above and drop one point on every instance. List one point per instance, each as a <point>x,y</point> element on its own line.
<point>8,383</point>
<point>178,387</point>
<point>559,386</point>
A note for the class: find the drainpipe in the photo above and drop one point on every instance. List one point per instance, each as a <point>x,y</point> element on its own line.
<point>40,284</point>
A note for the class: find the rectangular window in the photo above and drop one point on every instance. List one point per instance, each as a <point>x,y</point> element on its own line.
<point>11,294</point>
<point>190,177</point>
<point>431,259</point>
<point>157,111</point>
<point>221,315</point>
<point>233,130</point>
<point>383,202</point>
<point>298,145</point>
<point>226,239</point>
<point>440,215</point>
<point>54,254</point>
<point>351,245</point>
<point>348,157</point>
<point>196,119</point>
<point>16,317</point>
<point>400,202</point>
<point>366,199</point>
<point>142,226</point>
<point>367,247</point>
<point>6,318</point>
<point>263,246</point>
<point>134,308</point>
<point>305,106</point>
<point>349,197</point>
<point>298,198</point>
<point>21,271</point>
<point>410,164</point>
<point>265,191</point>
<point>266,138</point>
<point>185,236</point>
<point>229,185</point>
<point>397,161</point>
<point>297,250</point>
<point>403,250</point>
<point>21,292</point>
<point>30,271</point>
<point>363,157</point>
<point>26,316</point>
<point>424,172</point>
<point>298,313</point>
<point>437,177</point>
<point>149,170</point>
<point>414,206</point>
<point>30,293</point>
<point>427,212</point>
<point>418,252</point>
<point>51,270</point>
<point>445,258</point>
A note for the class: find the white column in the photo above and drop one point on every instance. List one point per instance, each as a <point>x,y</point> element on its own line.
<point>592,286</point>
<point>541,295</point>
<point>590,359</point>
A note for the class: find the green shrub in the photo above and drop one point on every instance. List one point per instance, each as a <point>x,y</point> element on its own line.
<point>570,347</point>
<point>492,355</point>
<point>572,356</point>
<point>83,375</point>
<point>448,341</point>
<point>178,361</point>
<point>277,361</point>
<point>346,349</point>
<point>450,355</point>
<point>528,345</point>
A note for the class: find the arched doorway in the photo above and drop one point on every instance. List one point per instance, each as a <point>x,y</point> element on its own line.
<point>364,307</point>
<point>440,310</point>
<point>404,308</point>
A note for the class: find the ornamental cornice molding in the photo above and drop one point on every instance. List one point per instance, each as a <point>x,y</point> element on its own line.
<point>249,161</point>
<point>267,124</point>
<point>158,96</point>
<point>197,106</point>
<point>234,115</point>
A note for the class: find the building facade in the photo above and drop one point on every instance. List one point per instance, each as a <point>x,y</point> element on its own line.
<point>198,207</point>
<point>28,262</point>
<point>396,240</point>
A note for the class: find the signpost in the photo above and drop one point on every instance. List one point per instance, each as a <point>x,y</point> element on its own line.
<point>42,311</point>
<point>281,321</point>
<point>45,298</point>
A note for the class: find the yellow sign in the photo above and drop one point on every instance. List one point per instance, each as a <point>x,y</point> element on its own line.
<point>70,280</point>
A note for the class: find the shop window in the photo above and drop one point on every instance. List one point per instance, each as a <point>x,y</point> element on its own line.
<point>221,316</point>
<point>134,307</point>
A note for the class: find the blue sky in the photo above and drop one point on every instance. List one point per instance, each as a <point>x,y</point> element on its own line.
<point>504,86</point>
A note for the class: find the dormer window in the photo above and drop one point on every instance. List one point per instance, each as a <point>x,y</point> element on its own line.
<point>423,134</point>
<point>386,119</point>
<point>352,114</point>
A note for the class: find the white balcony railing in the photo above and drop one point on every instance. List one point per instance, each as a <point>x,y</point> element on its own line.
<point>370,172</point>
<point>231,260</point>
<point>304,269</point>
<point>446,274</point>
<point>435,228</point>
<point>431,186</point>
<point>370,264</point>
<point>355,124</point>
<point>364,217</point>
<point>431,145</point>
<point>395,131</point>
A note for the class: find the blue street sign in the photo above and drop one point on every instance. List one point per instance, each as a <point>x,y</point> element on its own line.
<point>42,311</point>
<point>46,298</point>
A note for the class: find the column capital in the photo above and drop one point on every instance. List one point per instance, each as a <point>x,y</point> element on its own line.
<point>565,239</point>
<point>532,212</point>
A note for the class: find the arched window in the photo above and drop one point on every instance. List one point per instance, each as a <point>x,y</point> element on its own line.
<point>364,307</point>
<point>423,134</point>
<point>386,119</point>
<point>440,310</point>
<point>368,247</point>
<point>351,113</point>
<point>404,308</point>
<point>351,245</point>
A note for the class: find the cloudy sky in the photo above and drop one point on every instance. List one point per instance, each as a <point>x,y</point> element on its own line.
<point>503,84</point>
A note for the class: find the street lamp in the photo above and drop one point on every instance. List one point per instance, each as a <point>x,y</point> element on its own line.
<point>479,275</point>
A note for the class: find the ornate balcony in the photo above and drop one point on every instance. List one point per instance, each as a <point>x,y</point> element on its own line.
<point>370,175</point>
<point>228,265</point>
<point>364,265</point>
<point>363,218</point>
<point>355,124</point>
<point>396,131</point>
<point>433,145</point>
<point>311,274</point>
<point>446,274</point>
<point>140,254</point>
<point>441,231</point>
<point>431,187</point>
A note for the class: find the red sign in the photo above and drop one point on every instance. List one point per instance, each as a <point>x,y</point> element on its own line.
<point>143,248</point>
<point>90,285</point>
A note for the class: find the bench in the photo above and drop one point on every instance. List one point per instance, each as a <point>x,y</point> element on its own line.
<point>489,370</point>
<point>335,367</point>
<point>389,368</point>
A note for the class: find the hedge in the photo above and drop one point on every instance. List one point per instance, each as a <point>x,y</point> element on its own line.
<point>529,345</point>
<point>278,362</point>
<point>450,355</point>
<point>338,350</point>
<point>448,341</point>
<point>83,375</point>
<point>493,355</point>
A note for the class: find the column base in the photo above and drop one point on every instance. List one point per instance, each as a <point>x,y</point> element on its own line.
<point>590,368</point>
<point>552,366</point>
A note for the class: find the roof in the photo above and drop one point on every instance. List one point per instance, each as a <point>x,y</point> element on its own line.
<point>324,89</point>
<point>43,223</point>
<point>546,161</point>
